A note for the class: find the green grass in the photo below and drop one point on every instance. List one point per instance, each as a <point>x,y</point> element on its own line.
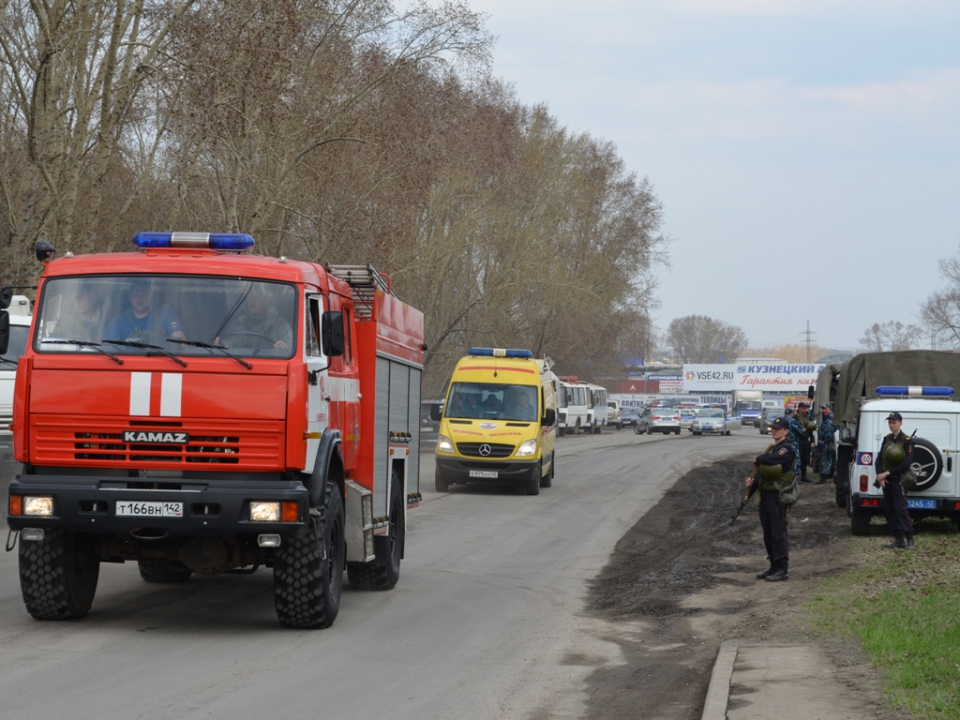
<point>905,609</point>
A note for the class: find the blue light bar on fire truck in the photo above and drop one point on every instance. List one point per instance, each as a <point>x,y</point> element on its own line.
<point>500,352</point>
<point>223,241</point>
<point>913,391</point>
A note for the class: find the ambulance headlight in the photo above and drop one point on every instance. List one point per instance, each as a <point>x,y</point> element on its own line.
<point>33,505</point>
<point>264,511</point>
<point>444,444</point>
<point>528,448</point>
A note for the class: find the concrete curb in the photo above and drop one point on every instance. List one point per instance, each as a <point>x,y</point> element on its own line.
<point>715,706</point>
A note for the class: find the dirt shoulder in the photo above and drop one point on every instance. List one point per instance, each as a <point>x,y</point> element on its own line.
<point>681,581</point>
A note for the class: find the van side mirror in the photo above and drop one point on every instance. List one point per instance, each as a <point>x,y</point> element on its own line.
<point>331,332</point>
<point>435,413</point>
<point>4,332</point>
<point>550,417</point>
<point>810,392</point>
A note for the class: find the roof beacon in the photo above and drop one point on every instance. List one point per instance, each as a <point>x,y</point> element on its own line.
<point>500,352</point>
<point>913,391</point>
<point>234,241</point>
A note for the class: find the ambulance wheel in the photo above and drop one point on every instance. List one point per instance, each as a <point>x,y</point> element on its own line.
<point>860,522</point>
<point>58,575</point>
<point>441,484</point>
<point>383,574</point>
<point>533,485</point>
<point>308,570</point>
<point>162,571</point>
<point>547,480</point>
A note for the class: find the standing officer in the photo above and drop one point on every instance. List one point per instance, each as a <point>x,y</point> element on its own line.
<point>797,436</point>
<point>806,442</point>
<point>894,459</point>
<point>828,448</point>
<point>773,516</point>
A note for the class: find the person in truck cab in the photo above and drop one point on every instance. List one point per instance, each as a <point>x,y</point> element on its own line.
<point>141,321</point>
<point>257,324</point>
<point>520,408</point>
<point>87,316</point>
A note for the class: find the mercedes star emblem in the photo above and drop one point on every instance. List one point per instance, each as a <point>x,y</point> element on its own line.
<point>485,449</point>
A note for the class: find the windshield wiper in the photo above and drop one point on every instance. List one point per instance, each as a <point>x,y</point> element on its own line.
<point>208,346</point>
<point>83,343</point>
<point>144,346</point>
<point>8,360</point>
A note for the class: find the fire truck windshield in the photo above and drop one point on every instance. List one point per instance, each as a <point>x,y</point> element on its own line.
<point>250,318</point>
<point>493,401</point>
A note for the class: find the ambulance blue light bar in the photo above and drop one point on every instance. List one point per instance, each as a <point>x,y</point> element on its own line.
<point>500,352</point>
<point>914,391</point>
<point>223,241</point>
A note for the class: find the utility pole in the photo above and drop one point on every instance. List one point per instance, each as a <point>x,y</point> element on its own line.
<point>808,340</point>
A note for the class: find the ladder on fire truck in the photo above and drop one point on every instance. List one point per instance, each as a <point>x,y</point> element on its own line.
<point>364,281</point>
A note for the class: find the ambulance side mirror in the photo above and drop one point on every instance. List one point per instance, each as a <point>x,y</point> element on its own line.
<point>436,414</point>
<point>549,417</point>
<point>4,332</point>
<point>331,332</point>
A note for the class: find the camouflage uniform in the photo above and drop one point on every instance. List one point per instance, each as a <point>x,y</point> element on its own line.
<point>797,435</point>
<point>828,449</point>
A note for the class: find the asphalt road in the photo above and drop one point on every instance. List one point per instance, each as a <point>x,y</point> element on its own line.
<point>486,622</point>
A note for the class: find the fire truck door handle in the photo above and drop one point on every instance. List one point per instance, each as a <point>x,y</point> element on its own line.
<point>312,376</point>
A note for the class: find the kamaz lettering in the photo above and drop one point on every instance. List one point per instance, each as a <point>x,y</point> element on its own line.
<point>173,438</point>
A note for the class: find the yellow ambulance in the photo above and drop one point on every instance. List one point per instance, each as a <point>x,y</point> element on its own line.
<point>499,422</point>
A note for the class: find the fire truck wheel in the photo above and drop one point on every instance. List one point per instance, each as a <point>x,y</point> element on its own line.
<point>441,484</point>
<point>308,571</point>
<point>58,575</point>
<point>162,571</point>
<point>380,575</point>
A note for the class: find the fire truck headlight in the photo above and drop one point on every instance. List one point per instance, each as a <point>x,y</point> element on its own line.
<point>264,511</point>
<point>37,505</point>
<point>444,444</point>
<point>527,448</point>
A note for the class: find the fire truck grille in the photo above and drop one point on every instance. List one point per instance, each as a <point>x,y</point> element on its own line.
<point>110,446</point>
<point>496,450</point>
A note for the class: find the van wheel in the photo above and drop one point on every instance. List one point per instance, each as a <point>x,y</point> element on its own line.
<point>547,480</point>
<point>58,575</point>
<point>860,522</point>
<point>533,486</point>
<point>441,484</point>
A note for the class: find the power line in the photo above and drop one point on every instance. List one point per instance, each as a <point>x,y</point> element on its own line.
<point>809,339</point>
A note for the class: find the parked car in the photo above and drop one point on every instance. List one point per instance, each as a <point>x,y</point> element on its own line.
<point>686,417</point>
<point>614,414</point>
<point>769,415</point>
<point>629,416</point>
<point>659,419</point>
<point>712,421</point>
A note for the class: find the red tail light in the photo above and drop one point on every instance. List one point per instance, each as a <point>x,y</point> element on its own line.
<point>863,483</point>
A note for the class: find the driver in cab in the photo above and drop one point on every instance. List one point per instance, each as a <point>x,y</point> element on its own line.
<point>257,324</point>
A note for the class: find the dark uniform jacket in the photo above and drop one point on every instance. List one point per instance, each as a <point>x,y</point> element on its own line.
<point>779,454</point>
<point>906,442</point>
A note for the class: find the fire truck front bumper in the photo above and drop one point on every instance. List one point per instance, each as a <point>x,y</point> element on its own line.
<point>159,507</point>
<point>514,472</point>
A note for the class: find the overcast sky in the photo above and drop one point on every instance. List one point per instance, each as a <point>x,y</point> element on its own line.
<point>807,153</point>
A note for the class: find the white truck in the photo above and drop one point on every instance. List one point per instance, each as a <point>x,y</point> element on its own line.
<point>20,317</point>
<point>747,405</point>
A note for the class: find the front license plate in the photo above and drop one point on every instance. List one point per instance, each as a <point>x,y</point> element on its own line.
<point>127,508</point>
<point>493,474</point>
<point>922,504</point>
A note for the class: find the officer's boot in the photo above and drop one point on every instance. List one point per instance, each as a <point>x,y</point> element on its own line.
<point>766,573</point>
<point>780,574</point>
<point>911,544</point>
<point>898,544</point>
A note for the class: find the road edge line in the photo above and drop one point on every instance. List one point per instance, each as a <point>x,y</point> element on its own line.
<point>718,693</point>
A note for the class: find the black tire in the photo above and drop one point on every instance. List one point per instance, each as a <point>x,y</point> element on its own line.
<point>58,575</point>
<point>440,484</point>
<point>576,430</point>
<point>533,484</point>
<point>927,463</point>
<point>677,431</point>
<point>620,426</point>
<point>841,491</point>
<point>548,480</point>
<point>649,429</point>
<point>380,574</point>
<point>697,432</point>
<point>308,570</point>
<point>597,429</point>
<point>636,429</point>
<point>162,571</point>
<point>560,431</point>
<point>860,522</point>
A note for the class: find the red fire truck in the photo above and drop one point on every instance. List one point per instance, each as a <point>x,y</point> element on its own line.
<point>200,409</point>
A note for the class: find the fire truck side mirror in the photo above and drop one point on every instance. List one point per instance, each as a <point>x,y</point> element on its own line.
<point>549,417</point>
<point>331,331</point>
<point>436,414</point>
<point>4,331</point>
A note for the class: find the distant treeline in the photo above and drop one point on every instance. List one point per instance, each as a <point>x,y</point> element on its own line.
<point>342,131</point>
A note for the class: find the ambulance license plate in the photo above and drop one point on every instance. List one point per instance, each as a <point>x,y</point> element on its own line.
<point>490,474</point>
<point>127,508</point>
<point>922,504</point>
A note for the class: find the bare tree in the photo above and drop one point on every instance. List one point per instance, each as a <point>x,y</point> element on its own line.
<point>701,339</point>
<point>891,336</point>
<point>941,311</point>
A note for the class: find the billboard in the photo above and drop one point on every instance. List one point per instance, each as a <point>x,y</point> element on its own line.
<point>709,378</point>
<point>776,378</point>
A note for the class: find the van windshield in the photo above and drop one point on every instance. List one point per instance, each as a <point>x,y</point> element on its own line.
<point>748,405</point>
<point>493,401</point>
<point>247,317</point>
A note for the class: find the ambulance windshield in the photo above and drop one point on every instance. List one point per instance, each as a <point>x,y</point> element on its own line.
<point>492,401</point>
<point>179,314</point>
